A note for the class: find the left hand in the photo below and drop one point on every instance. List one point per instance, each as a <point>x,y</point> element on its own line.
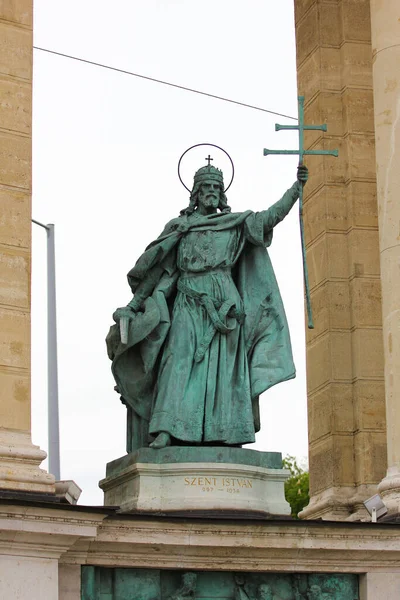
<point>302,174</point>
<point>123,313</point>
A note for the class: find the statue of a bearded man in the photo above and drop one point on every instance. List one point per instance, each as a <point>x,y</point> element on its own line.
<point>207,331</point>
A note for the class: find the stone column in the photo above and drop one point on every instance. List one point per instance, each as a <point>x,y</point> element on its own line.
<point>19,458</point>
<point>346,408</point>
<point>385,21</point>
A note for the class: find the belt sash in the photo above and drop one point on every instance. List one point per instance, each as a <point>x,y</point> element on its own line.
<point>218,311</point>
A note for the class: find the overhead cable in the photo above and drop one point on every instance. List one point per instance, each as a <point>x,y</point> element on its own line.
<point>175,85</point>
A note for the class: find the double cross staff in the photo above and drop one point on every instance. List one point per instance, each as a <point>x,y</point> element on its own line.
<point>301,152</point>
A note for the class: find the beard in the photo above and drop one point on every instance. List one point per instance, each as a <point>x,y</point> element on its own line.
<point>210,200</point>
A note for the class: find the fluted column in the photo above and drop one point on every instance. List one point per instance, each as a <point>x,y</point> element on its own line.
<point>385,25</point>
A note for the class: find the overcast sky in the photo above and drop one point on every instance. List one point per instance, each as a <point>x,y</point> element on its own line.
<point>105,152</point>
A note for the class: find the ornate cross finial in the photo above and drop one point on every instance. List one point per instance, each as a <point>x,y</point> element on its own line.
<point>209,159</point>
<point>301,152</point>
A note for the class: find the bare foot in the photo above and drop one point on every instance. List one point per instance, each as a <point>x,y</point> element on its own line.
<point>162,441</point>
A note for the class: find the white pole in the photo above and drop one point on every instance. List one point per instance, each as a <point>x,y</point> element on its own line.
<point>52,364</point>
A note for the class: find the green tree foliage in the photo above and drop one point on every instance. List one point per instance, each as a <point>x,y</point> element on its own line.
<point>297,487</point>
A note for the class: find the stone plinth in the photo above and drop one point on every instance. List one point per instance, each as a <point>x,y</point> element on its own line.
<point>179,479</point>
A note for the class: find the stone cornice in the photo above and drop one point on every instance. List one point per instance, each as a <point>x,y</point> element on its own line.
<point>43,532</point>
<point>263,546</point>
<point>77,535</point>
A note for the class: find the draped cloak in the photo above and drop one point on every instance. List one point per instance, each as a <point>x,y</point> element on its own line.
<point>267,347</point>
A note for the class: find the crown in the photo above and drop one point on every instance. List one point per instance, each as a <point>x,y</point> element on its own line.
<point>208,173</point>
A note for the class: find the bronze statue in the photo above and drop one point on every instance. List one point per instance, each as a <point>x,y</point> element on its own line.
<point>205,333</point>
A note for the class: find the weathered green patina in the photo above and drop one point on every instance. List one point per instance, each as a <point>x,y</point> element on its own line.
<point>190,454</point>
<point>300,153</point>
<point>99,583</point>
<point>205,333</point>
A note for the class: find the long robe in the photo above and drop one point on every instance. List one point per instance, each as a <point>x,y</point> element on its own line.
<point>213,334</point>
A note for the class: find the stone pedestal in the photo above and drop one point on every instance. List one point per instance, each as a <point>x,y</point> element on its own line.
<point>180,479</point>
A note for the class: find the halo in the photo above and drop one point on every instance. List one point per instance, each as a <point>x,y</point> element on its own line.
<point>205,144</point>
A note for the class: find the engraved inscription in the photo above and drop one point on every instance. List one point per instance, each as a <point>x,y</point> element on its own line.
<point>231,485</point>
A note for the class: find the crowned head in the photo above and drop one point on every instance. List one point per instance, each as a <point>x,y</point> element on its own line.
<point>209,174</point>
<point>208,191</point>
